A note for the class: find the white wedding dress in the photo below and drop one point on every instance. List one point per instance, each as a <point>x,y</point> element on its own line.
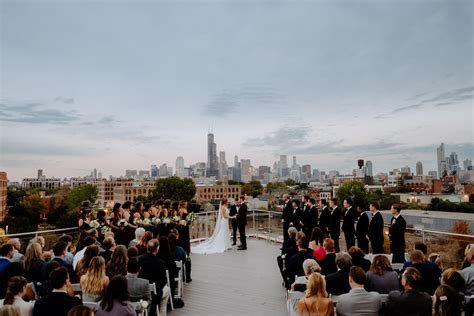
<point>220,239</point>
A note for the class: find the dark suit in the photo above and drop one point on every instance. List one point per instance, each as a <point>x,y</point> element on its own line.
<point>309,217</point>
<point>430,275</point>
<point>328,265</point>
<point>55,304</point>
<point>242,222</point>
<point>337,283</point>
<point>324,220</point>
<point>296,218</point>
<point>348,227</point>
<point>286,216</point>
<point>397,239</point>
<point>295,265</point>
<point>70,270</point>
<point>154,270</point>
<point>335,226</point>
<point>362,229</point>
<point>233,211</point>
<point>106,254</point>
<point>376,233</point>
<point>408,302</point>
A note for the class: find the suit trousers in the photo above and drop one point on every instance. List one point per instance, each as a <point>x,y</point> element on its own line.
<point>350,240</point>
<point>336,241</point>
<point>363,244</point>
<point>234,230</point>
<point>243,240</point>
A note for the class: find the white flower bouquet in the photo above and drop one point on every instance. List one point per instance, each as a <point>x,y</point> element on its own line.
<point>183,222</point>
<point>191,217</point>
<point>146,222</point>
<point>137,221</point>
<point>166,220</point>
<point>156,220</point>
<point>122,223</point>
<point>104,230</point>
<point>176,219</point>
<point>94,224</point>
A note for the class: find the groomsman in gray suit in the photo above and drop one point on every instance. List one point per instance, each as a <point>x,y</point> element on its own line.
<point>358,301</point>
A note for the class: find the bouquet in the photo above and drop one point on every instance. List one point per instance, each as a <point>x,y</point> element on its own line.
<point>191,217</point>
<point>94,224</point>
<point>104,230</point>
<point>156,220</point>
<point>142,307</point>
<point>166,220</point>
<point>122,223</point>
<point>183,222</point>
<point>137,221</point>
<point>146,222</point>
<point>176,219</point>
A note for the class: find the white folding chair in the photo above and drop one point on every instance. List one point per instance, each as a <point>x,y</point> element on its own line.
<point>169,285</point>
<point>158,299</point>
<point>138,309</point>
<point>369,257</point>
<point>90,304</point>
<point>179,279</point>
<point>292,299</point>
<point>76,288</point>
<point>397,266</point>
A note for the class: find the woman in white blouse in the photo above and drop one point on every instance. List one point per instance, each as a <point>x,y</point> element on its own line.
<point>15,291</point>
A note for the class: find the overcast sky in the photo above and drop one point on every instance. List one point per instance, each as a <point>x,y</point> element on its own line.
<point>118,85</point>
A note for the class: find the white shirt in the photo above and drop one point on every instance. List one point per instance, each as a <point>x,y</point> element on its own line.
<point>26,308</point>
<point>77,257</point>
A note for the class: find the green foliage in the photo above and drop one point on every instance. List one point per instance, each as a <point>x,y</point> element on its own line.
<point>253,188</point>
<point>302,186</point>
<point>25,215</point>
<point>174,188</point>
<point>471,198</point>
<point>233,182</point>
<point>62,217</point>
<point>276,186</point>
<point>290,182</point>
<point>354,189</point>
<point>14,196</point>
<point>445,205</point>
<point>80,194</point>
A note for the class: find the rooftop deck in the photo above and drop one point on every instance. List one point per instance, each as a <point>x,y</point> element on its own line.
<point>236,283</point>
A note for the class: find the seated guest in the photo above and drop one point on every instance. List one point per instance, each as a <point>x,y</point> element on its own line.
<point>15,269</point>
<point>17,256</point>
<point>177,252</point>
<point>139,232</point>
<point>142,246</point>
<point>328,265</point>
<point>381,278</point>
<point>165,255</point>
<point>358,301</point>
<point>59,251</point>
<point>317,245</point>
<point>138,288</point>
<point>118,263</point>
<point>447,301</point>
<point>81,310</point>
<point>153,269</point>
<point>358,259</point>
<point>17,287</point>
<point>45,287</point>
<point>316,301</point>
<point>69,258</point>
<point>10,310</point>
<point>429,273</point>
<point>467,256</point>
<point>309,266</point>
<point>132,252</point>
<point>453,278</point>
<point>424,249</point>
<point>288,250</point>
<point>109,246</point>
<point>78,256</point>
<point>34,264</point>
<point>410,301</point>
<point>94,281</point>
<point>61,299</point>
<point>6,255</point>
<point>295,264</point>
<point>115,301</point>
<point>83,265</point>
<point>290,242</point>
<point>337,283</point>
<point>468,274</point>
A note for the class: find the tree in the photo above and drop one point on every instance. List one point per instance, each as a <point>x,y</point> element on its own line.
<point>252,188</point>
<point>80,194</point>
<point>175,189</point>
<point>233,182</point>
<point>354,190</point>
<point>276,186</point>
<point>25,215</point>
<point>14,196</point>
<point>290,182</point>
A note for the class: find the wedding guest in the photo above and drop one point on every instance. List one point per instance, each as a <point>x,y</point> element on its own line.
<point>309,266</point>
<point>109,245</point>
<point>17,287</point>
<point>81,311</point>
<point>139,232</point>
<point>328,264</point>
<point>316,301</point>
<point>34,264</point>
<point>337,283</point>
<point>381,278</point>
<point>316,244</point>
<point>115,301</point>
<point>138,288</point>
<point>447,301</point>
<point>358,258</point>
<point>83,265</point>
<point>94,281</point>
<point>295,264</point>
<point>17,256</point>
<point>69,258</point>
<point>118,263</point>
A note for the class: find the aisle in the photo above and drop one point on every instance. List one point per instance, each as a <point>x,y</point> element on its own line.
<point>236,283</point>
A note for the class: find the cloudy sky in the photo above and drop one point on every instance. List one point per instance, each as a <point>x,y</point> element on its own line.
<point>118,85</point>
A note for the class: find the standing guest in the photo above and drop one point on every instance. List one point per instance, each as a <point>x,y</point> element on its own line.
<point>337,283</point>
<point>138,288</point>
<point>115,217</point>
<point>115,301</point>
<point>17,288</point>
<point>139,232</point>
<point>6,255</point>
<point>328,264</point>
<point>69,258</point>
<point>34,264</point>
<point>381,278</point>
<point>358,301</point>
<point>184,236</point>
<point>94,282</point>
<point>447,301</point>
<point>295,214</point>
<point>324,217</point>
<point>118,263</point>
<point>17,256</point>
<point>348,223</point>
<point>61,299</point>
<point>376,229</point>
<point>286,215</point>
<point>358,258</point>
<point>410,301</point>
<point>84,219</point>
<point>396,233</point>
<point>362,229</point>
<point>109,245</point>
<point>316,301</point>
<point>310,215</point>
<point>335,223</point>
<point>83,265</point>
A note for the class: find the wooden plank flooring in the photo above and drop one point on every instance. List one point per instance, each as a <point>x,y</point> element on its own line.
<point>236,283</point>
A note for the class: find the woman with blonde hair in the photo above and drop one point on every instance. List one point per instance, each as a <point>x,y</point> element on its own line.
<point>83,264</point>
<point>309,266</point>
<point>94,282</point>
<point>117,265</point>
<point>34,262</point>
<point>316,301</point>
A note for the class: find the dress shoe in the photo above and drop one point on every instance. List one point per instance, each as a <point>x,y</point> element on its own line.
<point>233,244</point>
<point>241,248</point>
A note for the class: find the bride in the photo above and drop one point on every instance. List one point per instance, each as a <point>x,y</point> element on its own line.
<point>220,239</point>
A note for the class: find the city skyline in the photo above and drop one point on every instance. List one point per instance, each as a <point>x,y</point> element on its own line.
<point>115,86</point>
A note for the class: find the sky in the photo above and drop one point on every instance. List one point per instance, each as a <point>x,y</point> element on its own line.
<point>118,85</point>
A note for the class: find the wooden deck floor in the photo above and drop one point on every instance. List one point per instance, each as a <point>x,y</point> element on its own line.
<point>236,283</point>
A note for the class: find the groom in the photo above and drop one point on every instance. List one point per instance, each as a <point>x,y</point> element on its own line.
<point>241,222</point>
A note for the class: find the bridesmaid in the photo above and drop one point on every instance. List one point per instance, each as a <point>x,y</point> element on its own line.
<point>115,217</point>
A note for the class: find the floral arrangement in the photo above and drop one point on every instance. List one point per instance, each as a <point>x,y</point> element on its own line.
<point>146,222</point>
<point>142,307</point>
<point>191,217</point>
<point>166,220</point>
<point>176,219</point>
<point>94,224</point>
<point>104,230</point>
<point>137,221</point>
<point>122,223</point>
<point>183,222</point>
<point>156,220</point>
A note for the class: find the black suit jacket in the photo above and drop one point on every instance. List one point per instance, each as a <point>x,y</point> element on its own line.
<point>154,270</point>
<point>70,270</point>
<point>337,283</point>
<point>335,221</point>
<point>309,218</point>
<point>232,212</point>
<point>242,216</point>
<point>328,265</point>
<point>376,230</point>
<point>296,218</point>
<point>397,234</point>
<point>287,211</point>
<point>295,265</point>
<point>349,220</point>
<point>324,219</point>
<point>408,303</point>
<point>430,275</point>
<point>55,304</point>
<point>362,227</point>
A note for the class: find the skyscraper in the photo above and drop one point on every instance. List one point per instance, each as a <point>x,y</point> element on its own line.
<point>212,163</point>
<point>442,166</point>
<point>236,161</point>
<point>154,171</point>
<point>419,168</point>
<point>369,167</point>
<point>40,173</point>
<point>453,162</point>
<point>467,164</point>
<point>222,165</point>
<point>180,167</point>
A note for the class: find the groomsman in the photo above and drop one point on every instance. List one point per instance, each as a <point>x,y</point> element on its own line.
<point>335,223</point>
<point>348,223</point>
<point>296,215</point>
<point>397,235</point>
<point>286,215</point>
<point>362,229</point>
<point>376,229</point>
<point>324,217</point>
<point>309,216</point>
<point>234,210</point>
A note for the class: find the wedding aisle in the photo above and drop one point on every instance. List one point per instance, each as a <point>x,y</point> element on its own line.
<point>236,283</point>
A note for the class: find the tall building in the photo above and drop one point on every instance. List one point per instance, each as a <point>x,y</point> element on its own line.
<point>236,161</point>
<point>294,162</point>
<point>306,169</point>
<point>245,169</point>
<point>95,173</point>
<point>283,166</point>
<point>467,164</point>
<point>130,174</point>
<point>180,167</point>
<point>3,195</point>
<point>406,171</point>
<point>369,167</point>
<point>212,163</point>
<point>163,171</point>
<point>143,174</point>
<point>442,165</point>
<point>222,165</point>
<point>419,168</point>
<point>40,173</point>
<point>154,171</point>
<point>433,174</point>
<point>262,170</point>
<point>316,175</point>
<point>453,163</point>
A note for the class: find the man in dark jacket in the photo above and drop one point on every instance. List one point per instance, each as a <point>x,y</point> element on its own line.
<point>362,228</point>
<point>349,222</point>
<point>396,233</point>
<point>335,223</point>
<point>376,229</point>
<point>337,283</point>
